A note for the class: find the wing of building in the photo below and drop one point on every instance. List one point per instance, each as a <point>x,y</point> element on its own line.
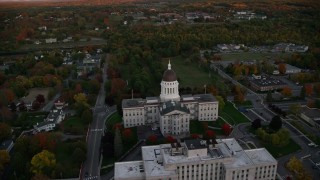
<point>170,111</point>
<point>196,159</point>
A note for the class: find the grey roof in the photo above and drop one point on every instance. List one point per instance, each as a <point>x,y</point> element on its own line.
<point>44,123</point>
<point>205,97</point>
<point>267,81</point>
<point>170,106</point>
<point>54,114</point>
<point>129,103</point>
<point>195,144</point>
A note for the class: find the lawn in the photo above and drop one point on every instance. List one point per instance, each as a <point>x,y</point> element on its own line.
<point>28,119</point>
<point>74,125</point>
<point>282,151</point>
<point>112,120</point>
<point>198,127</point>
<point>189,74</point>
<point>246,56</point>
<point>232,115</point>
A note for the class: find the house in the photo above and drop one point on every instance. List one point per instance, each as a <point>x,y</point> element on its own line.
<point>311,115</point>
<point>44,126</point>
<point>51,40</point>
<point>55,117</point>
<point>7,145</point>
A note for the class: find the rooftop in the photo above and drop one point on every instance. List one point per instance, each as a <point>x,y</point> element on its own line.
<point>137,102</point>
<point>133,169</point>
<point>267,81</point>
<point>170,106</point>
<point>159,160</point>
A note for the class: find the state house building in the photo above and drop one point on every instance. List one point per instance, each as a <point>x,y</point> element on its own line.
<point>171,112</point>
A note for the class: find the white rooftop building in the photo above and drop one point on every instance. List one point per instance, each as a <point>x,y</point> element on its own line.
<point>223,159</point>
<point>171,112</point>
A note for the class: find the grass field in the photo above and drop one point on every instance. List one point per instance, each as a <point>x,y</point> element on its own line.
<point>74,125</point>
<point>282,151</point>
<point>28,119</point>
<point>190,74</point>
<point>232,115</point>
<point>246,56</point>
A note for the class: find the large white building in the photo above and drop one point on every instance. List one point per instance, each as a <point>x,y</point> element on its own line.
<point>196,159</point>
<point>171,112</point>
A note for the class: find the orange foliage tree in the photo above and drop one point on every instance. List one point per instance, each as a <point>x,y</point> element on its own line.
<point>309,89</point>
<point>282,68</point>
<point>286,91</point>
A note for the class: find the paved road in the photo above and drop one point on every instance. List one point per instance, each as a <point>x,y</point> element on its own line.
<point>49,105</point>
<point>91,167</point>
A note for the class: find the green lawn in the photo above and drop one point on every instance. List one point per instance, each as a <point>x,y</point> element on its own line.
<point>232,115</point>
<point>74,125</point>
<point>282,151</point>
<point>197,127</point>
<point>189,74</point>
<point>28,119</point>
<point>112,120</point>
<point>245,56</point>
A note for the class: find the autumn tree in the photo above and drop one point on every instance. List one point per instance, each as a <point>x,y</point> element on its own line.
<point>4,159</point>
<point>170,139</point>
<point>40,98</point>
<point>127,135</point>
<point>286,91</point>
<point>195,136</point>
<point>35,105</point>
<point>309,89</point>
<point>282,68</point>
<point>118,145</point>
<point>296,166</point>
<point>43,163</point>
<point>81,102</point>
<point>209,134</point>
<point>226,128</point>
<point>5,131</point>
<point>152,139</point>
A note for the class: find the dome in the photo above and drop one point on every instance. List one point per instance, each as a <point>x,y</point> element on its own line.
<point>169,75</point>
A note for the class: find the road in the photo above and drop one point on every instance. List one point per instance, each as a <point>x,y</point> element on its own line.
<point>91,167</point>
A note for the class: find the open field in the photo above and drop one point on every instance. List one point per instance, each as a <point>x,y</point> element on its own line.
<point>282,151</point>
<point>232,115</point>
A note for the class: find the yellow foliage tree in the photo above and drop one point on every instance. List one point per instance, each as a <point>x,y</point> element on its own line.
<point>4,159</point>
<point>43,163</point>
<point>81,99</point>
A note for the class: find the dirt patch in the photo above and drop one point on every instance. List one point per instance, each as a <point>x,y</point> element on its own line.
<point>34,92</point>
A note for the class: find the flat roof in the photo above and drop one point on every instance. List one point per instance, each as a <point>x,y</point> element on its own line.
<point>260,156</point>
<point>153,166</point>
<point>267,81</point>
<point>130,170</point>
<point>129,103</point>
<point>195,144</point>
